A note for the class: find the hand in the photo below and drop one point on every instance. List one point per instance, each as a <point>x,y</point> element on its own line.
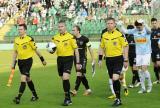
<point>158,63</point>
<point>125,64</point>
<point>100,63</point>
<point>44,63</point>
<point>78,66</point>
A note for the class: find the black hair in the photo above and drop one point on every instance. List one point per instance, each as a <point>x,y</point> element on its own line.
<point>137,23</point>
<point>78,28</point>
<point>153,19</point>
<point>130,27</point>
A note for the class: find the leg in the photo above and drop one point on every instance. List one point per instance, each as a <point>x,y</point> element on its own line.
<point>77,83</point>
<point>148,78</point>
<point>123,83</point>
<point>112,90</point>
<point>66,88</point>
<point>117,89</point>
<point>156,71</point>
<point>21,89</point>
<point>142,81</point>
<point>135,70</point>
<point>32,89</point>
<point>85,83</point>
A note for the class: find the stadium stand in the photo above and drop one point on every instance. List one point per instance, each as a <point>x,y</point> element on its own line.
<point>41,18</point>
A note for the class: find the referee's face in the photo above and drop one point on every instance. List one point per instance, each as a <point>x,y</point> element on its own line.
<point>111,25</point>
<point>61,28</point>
<point>21,31</point>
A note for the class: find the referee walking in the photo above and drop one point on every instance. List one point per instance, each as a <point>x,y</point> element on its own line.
<point>66,46</point>
<point>115,47</point>
<point>24,49</point>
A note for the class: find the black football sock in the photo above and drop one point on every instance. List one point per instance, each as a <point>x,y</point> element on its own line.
<point>85,82</point>
<point>78,82</point>
<point>156,72</point>
<point>21,89</point>
<point>117,88</point>
<point>66,88</point>
<point>32,88</point>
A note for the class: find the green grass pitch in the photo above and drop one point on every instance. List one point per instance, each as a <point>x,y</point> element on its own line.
<point>49,87</point>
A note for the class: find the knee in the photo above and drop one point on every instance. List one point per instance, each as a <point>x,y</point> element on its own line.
<point>23,78</point>
<point>28,79</point>
<point>115,77</point>
<point>65,76</point>
<point>144,68</point>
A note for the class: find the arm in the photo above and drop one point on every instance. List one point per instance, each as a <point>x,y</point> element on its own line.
<point>125,56</point>
<point>77,56</point>
<point>78,65</point>
<point>123,29</point>
<point>92,55</point>
<point>148,29</point>
<point>100,55</point>
<point>14,58</point>
<point>41,57</point>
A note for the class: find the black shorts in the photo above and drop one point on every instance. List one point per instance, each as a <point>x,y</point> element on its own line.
<point>64,64</point>
<point>132,59</point>
<point>25,66</point>
<point>114,65</point>
<point>155,56</point>
<point>83,62</point>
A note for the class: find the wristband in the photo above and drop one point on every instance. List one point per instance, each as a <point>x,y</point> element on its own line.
<point>100,57</point>
<point>125,60</point>
<point>41,58</point>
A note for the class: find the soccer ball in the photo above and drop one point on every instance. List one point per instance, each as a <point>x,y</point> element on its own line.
<point>51,47</point>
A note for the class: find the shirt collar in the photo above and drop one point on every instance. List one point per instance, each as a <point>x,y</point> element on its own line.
<point>63,34</point>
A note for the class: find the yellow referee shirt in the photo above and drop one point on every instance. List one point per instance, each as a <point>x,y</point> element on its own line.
<point>25,47</point>
<point>65,43</point>
<point>113,43</point>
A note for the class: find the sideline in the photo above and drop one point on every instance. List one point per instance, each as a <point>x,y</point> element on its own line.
<point>40,46</point>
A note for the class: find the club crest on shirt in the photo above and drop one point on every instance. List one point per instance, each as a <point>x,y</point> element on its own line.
<point>81,42</point>
<point>24,46</point>
<point>65,44</point>
<point>114,43</point>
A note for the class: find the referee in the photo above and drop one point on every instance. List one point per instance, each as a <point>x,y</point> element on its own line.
<point>66,46</point>
<point>115,47</point>
<point>24,49</point>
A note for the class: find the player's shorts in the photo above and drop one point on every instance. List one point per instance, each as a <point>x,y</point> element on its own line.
<point>143,60</point>
<point>83,62</point>
<point>64,64</point>
<point>155,56</point>
<point>114,65</point>
<point>25,66</point>
<point>132,59</point>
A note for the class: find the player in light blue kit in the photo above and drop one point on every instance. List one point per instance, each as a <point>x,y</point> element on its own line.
<point>142,35</point>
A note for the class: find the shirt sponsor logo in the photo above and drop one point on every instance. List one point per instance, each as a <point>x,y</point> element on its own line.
<point>141,40</point>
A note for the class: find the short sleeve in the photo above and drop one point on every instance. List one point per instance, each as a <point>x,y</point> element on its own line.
<point>33,44</point>
<point>123,40</point>
<point>73,43</point>
<point>102,43</point>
